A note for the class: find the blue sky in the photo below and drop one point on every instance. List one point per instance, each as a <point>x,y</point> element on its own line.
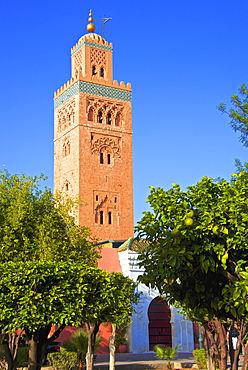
<point>182,57</point>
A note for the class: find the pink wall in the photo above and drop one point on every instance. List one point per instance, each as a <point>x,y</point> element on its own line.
<point>110,263</point>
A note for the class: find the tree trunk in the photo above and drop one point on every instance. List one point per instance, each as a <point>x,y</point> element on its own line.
<point>240,344</point>
<point>92,330</point>
<point>10,344</point>
<point>245,362</point>
<point>112,348</point>
<point>222,343</point>
<point>9,357</point>
<point>32,354</point>
<point>38,342</point>
<point>37,348</point>
<point>230,343</point>
<point>209,341</point>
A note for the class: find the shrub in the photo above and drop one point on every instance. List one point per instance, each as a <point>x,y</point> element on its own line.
<point>62,360</point>
<point>200,358</point>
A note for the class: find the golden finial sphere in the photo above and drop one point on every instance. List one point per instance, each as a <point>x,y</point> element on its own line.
<point>90,27</point>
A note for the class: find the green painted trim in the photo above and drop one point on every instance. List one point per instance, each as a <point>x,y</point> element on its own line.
<point>94,89</point>
<point>95,45</point>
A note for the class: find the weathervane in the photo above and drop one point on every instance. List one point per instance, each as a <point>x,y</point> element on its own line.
<point>104,20</point>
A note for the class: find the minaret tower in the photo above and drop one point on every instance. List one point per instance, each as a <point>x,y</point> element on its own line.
<point>93,140</point>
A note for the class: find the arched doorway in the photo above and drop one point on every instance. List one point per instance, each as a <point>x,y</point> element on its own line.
<point>159,315</point>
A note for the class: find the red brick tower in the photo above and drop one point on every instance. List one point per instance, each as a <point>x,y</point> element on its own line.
<point>93,140</point>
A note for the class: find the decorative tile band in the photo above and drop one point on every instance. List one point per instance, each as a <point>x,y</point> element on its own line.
<point>94,89</point>
<point>104,47</point>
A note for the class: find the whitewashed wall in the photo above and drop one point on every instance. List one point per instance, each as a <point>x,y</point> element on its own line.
<point>182,329</point>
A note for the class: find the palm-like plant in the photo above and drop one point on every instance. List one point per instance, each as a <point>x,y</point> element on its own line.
<point>79,343</point>
<point>166,353</point>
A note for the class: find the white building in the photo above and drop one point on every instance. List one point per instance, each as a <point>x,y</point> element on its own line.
<point>154,321</point>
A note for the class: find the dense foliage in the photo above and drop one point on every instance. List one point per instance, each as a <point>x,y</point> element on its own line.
<point>39,243</point>
<point>35,226</point>
<point>198,247</point>
<point>48,273</point>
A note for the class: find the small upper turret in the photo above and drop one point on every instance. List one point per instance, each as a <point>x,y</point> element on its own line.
<point>92,63</point>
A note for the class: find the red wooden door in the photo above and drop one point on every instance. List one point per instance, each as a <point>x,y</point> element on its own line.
<point>159,323</point>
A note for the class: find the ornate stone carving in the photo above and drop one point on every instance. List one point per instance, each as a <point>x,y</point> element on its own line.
<point>106,106</point>
<point>105,142</point>
<point>105,202</point>
<point>66,116</point>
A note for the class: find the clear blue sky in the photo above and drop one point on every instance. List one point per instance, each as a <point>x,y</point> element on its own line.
<point>182,57</point>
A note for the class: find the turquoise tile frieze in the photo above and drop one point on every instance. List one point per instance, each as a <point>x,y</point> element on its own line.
<point>66,95</point>
<point>104,47</point>
<point>94,89</point>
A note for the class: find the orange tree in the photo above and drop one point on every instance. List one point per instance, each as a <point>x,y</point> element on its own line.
<point>198,253</point>
<point>36,227</point>
<point>48,274</point>
<point>110,298</point>
<point>36,295</point>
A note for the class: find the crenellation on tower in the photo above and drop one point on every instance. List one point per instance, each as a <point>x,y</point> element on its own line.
<point>88,55</point>
<point>96,80</point>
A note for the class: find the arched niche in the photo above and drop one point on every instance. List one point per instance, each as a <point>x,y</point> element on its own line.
<point>159,315</point>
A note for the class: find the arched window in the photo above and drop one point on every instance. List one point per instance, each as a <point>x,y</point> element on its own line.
<point>68,121</point>
<point>109,158</point>
<point>109,119</point>
<point>99,116</point>
<point>64,122</point>
<point>109,218</point>
<point>90,115</point>
<point>93,70</point>
<point>101,217</point>
<point>118,119</point>
<point>71,119</point>
<point>102,72</point>
<point>67,186</point>
<point>101,158</point>
<point>64,150</point>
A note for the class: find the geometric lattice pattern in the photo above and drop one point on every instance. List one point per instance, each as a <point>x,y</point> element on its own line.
<point>94,89</point>
<point>78,59</point>
<point>98,57</point>
<point>92,44</point>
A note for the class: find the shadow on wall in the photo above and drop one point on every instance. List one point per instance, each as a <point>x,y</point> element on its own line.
<point>105,332</point>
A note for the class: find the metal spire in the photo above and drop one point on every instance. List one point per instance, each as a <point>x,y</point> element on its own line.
<point>104,20</point>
